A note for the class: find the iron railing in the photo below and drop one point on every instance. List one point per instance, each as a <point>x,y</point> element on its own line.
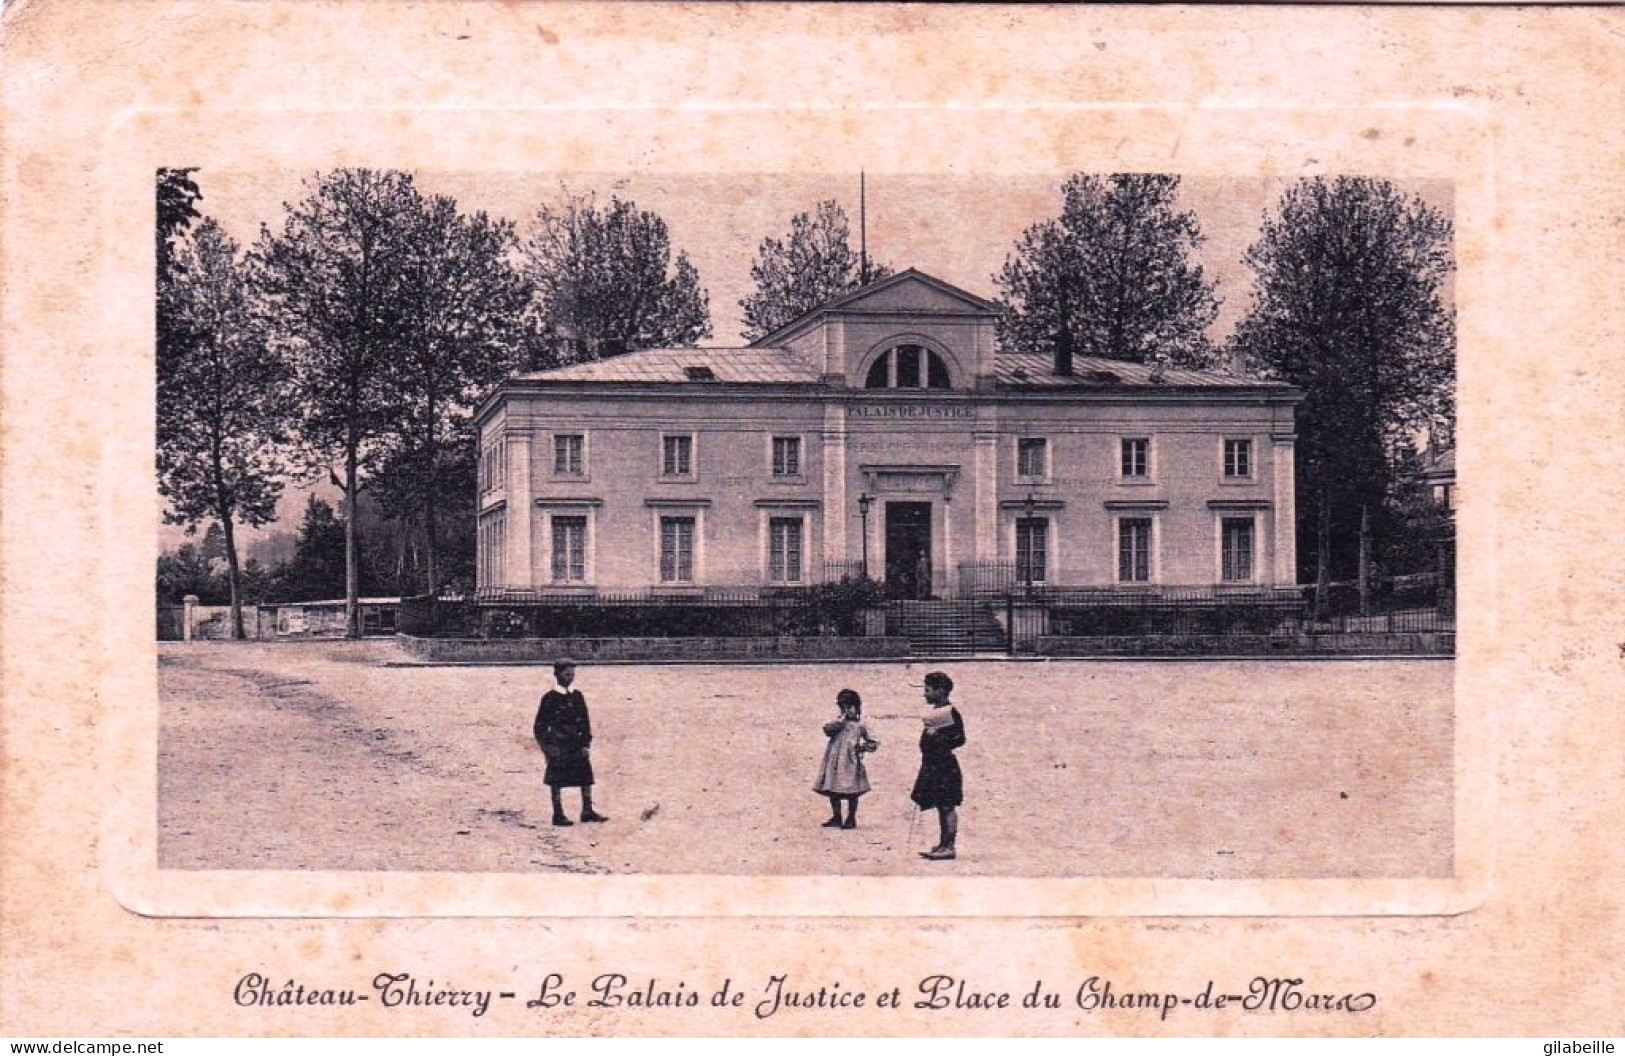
<point>1016,619</point>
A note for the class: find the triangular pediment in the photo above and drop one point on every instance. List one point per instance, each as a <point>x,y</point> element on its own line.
<point>911,291</point>
<point>907,293</point>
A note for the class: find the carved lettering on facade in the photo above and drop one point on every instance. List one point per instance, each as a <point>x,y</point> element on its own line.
<point>911,411</point>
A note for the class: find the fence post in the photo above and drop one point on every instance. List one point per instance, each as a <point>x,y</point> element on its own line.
<point>188,608</point>
<point>1009,624</point>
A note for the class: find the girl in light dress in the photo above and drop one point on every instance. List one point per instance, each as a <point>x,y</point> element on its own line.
<point>842,776</point>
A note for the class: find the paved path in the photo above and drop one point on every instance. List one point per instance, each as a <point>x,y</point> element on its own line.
<point>319,756</point>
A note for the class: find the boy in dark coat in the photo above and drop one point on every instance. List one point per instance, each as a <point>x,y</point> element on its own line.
<point>564,731</point>
<point>940,784</point>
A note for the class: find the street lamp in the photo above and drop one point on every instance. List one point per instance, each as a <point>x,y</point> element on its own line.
<point>864,502</point>
<point>1029,506</point>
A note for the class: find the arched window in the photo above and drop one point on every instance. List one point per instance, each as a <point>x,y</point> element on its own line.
<point>907,367</point>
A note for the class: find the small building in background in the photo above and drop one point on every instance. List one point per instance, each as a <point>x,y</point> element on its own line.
<point>1439,476</point>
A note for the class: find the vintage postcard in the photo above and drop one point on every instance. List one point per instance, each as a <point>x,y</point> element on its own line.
<point>670,520</point>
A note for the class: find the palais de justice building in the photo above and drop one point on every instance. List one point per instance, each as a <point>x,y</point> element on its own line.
<point>882,431</point>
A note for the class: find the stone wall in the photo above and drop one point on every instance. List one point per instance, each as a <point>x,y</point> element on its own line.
<point>610,650</point>
<point>1419,643</point>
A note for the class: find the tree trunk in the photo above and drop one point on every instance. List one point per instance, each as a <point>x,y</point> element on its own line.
<point>1323,545</point>
<point>432,496</point>
<point>233,577</point>
<point>1365,559</point>
<point>429,542</point>
<point>352,571</point>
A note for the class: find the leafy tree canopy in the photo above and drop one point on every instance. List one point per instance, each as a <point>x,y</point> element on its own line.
<point>605,283</point>
<point>336,291</point>
<point>221,408</point>
<point>1112,276</point>
<point>316,571</point>
<point>813,264</point>
<point>178,196</point>
<point>1351,303</point>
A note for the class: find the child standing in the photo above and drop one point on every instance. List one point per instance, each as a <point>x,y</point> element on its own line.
<point>842,775</point>
<point>940,784</point>
<point>564,730</point>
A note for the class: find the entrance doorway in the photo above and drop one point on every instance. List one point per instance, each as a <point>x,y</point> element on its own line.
<point>908,550</point>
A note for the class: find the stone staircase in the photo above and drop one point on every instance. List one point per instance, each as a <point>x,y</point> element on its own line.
<point>945,628</point>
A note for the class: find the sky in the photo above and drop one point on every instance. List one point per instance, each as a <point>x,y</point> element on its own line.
<point>958,228</point>
<point>955,227</point>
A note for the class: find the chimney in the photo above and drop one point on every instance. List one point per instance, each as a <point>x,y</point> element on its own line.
<point>1063,356</point>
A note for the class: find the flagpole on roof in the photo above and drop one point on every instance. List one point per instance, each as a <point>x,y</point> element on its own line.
<point>863,229</point>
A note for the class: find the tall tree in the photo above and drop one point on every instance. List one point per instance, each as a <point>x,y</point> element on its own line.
<point>336,281</point>
<point>1351,303</point>
<point>813,264</point>
<point>605,282</point>
<point>461,332</point>
<point>177,200</point>
<point>1112,276</point>
<point>221,415</point>
<point>320,562</point>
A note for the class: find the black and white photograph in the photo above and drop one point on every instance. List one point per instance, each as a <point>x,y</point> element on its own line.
<point>742,486</point>
<point>554,520</point>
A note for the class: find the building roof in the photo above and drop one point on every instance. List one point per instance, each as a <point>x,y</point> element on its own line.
<point>1442,465</point>
<point>747,366</point>
<point>780,366</point>
<point>1036,370</point>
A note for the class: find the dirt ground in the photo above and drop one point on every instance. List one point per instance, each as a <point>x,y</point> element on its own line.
<point>324,756</point>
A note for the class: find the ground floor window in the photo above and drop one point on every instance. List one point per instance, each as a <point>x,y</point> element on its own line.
<point>1236,550</point>
<point>569,549</point>
<point>784,548</point>
<point>676,549</point>
<point>493,544</point>
<point>1134,550</point>
<point>1032,549</point>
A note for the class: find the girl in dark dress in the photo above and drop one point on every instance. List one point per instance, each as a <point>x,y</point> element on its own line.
<point>564,730</point>
<point>940,784</point>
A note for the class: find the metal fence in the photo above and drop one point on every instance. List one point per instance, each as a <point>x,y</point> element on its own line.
<point>985,578</point>
<point>1217,614</point>
<point>1018,620</point>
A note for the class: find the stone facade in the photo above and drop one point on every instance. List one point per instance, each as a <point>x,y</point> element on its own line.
<point>882,430</point>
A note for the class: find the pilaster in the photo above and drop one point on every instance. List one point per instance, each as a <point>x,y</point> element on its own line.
<point>1285,513</point>
<point>985,492</point>
<point>834,459</point>
<point>520,570</point>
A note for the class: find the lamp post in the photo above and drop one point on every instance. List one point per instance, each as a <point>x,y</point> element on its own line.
<point>1029,506</point>
<point>864,502</point>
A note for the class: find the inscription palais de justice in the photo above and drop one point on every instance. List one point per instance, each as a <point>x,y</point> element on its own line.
<point>912,411</point>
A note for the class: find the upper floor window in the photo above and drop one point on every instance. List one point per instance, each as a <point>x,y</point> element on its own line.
<point>907,367</point>
<point>787,456</point>
<point>677,455</point>
<point>1238,459</point>
<point>1032,457</point>
<point>1136,458</point>
<point>569,455</point>
<point>493,467</point>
